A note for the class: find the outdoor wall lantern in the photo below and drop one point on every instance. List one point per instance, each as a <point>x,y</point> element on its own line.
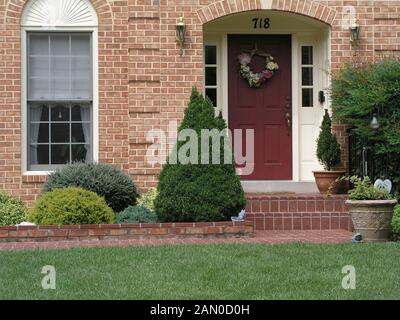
<point>180,34</point>
<point>354,33</point>
<point>374,122</point>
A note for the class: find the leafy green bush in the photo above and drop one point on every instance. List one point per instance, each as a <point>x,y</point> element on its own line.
<point>199,192</point>
<point>365,190</point>
<point>147,199</point>
<point>328,149</point>
<point>359,91</point>
<point>12,210</point>
<point>63,206</point>
<point>136,214</point>
<point>396,224</point>
<point>107,181</point>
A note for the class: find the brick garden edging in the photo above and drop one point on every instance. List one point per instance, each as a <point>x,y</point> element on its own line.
<point>125,231</point>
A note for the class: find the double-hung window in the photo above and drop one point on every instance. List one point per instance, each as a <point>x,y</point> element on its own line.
<point>59,99</point>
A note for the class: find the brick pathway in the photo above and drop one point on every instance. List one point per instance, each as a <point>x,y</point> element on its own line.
<point>260,237</point>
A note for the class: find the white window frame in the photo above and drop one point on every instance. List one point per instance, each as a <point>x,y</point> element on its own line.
<point>24,87</point>
<point>215,42</point>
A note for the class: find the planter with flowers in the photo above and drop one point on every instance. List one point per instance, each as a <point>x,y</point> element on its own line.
<point>371,210</point>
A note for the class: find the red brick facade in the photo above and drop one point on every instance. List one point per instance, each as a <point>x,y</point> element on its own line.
<point>144,83</point>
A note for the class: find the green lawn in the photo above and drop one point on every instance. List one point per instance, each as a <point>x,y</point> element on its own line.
<point>245,271</point>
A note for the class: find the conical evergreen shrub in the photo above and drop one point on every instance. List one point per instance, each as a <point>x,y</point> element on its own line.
<point>328,149</point>
<point>199,192</point>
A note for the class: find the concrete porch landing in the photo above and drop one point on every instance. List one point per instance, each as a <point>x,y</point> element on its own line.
<point>297,211</point>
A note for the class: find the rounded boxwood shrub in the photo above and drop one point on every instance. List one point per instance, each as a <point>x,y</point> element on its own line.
<point>396,223</point>
<point>197,191</point>
<point>115,186</point>
<point>12,210</point>
<point>136,214</point>
<point>71,206</point>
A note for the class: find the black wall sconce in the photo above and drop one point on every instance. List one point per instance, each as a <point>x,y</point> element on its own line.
<point>180,34</point>
<point>321,97</point>
<point>354,33</point>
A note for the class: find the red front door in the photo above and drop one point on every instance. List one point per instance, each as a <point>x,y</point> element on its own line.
<point>268,109</point>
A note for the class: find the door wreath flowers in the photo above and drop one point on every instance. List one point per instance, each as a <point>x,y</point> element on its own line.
<point>257,79</point>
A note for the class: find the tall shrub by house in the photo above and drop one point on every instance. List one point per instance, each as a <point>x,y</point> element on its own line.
<point>328,149</point>
<point>358,92</point>
<point>198,191</point>
<point>114,185</point>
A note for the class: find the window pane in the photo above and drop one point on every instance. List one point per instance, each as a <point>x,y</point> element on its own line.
<point>60,78</point>
<point>79,152</point>
<point>76,113</point>
<point>80,45</point>
<point>39,88</point>
<point>38,67</point>
<point>39,45</point>
<point>59,45</point>
<point>60,112</point>
<point>211,76</point>
<point>59,132</point>
<point>307,76</point>
<point>77,133</point>
<point>81,78</point>
<point>210,53</point>
<point>307,55</point>
<point>212,94</point>
<point>39,112</point>
<point>81,67</point>
<point>60,153</point>
<point>39,154</point>
<point>39,133</point>
<point>307,97</point>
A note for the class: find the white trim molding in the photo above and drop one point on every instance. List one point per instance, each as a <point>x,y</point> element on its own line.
<point>58,23</point>
<point>59,13</point>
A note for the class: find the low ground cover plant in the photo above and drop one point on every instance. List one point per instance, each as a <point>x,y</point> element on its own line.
<point>136,214</point>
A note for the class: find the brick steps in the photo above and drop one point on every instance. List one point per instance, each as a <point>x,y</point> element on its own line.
<point>293,211</point>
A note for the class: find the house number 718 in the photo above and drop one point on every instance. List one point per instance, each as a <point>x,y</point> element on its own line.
<point>261,23</point>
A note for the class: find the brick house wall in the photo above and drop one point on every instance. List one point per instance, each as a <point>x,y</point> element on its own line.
<point>144,83</point>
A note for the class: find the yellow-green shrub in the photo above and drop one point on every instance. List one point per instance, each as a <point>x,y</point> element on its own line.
<point>71,206</point>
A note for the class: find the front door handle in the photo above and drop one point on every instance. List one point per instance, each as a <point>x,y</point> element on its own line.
<point>288,118</point>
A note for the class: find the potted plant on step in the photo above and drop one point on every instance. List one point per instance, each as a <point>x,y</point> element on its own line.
<point>371,210</point>
<point>328,154</point>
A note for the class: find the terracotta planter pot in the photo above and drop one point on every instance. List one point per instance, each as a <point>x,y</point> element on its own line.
<point>372,218</point>
<point>326,179</point>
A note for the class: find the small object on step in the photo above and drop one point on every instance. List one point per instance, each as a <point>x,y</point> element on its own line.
<point>240,217</point>
<point>25,223</point>
<point>383,185</point>
<point>357,238</point>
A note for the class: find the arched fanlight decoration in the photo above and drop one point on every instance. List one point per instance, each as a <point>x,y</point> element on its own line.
<point>59,13</point>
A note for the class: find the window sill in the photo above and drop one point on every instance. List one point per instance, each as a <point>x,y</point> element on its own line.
<point>35,176</point>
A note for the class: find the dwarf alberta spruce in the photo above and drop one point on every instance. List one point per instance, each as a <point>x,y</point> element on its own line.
<point>199,192</point>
